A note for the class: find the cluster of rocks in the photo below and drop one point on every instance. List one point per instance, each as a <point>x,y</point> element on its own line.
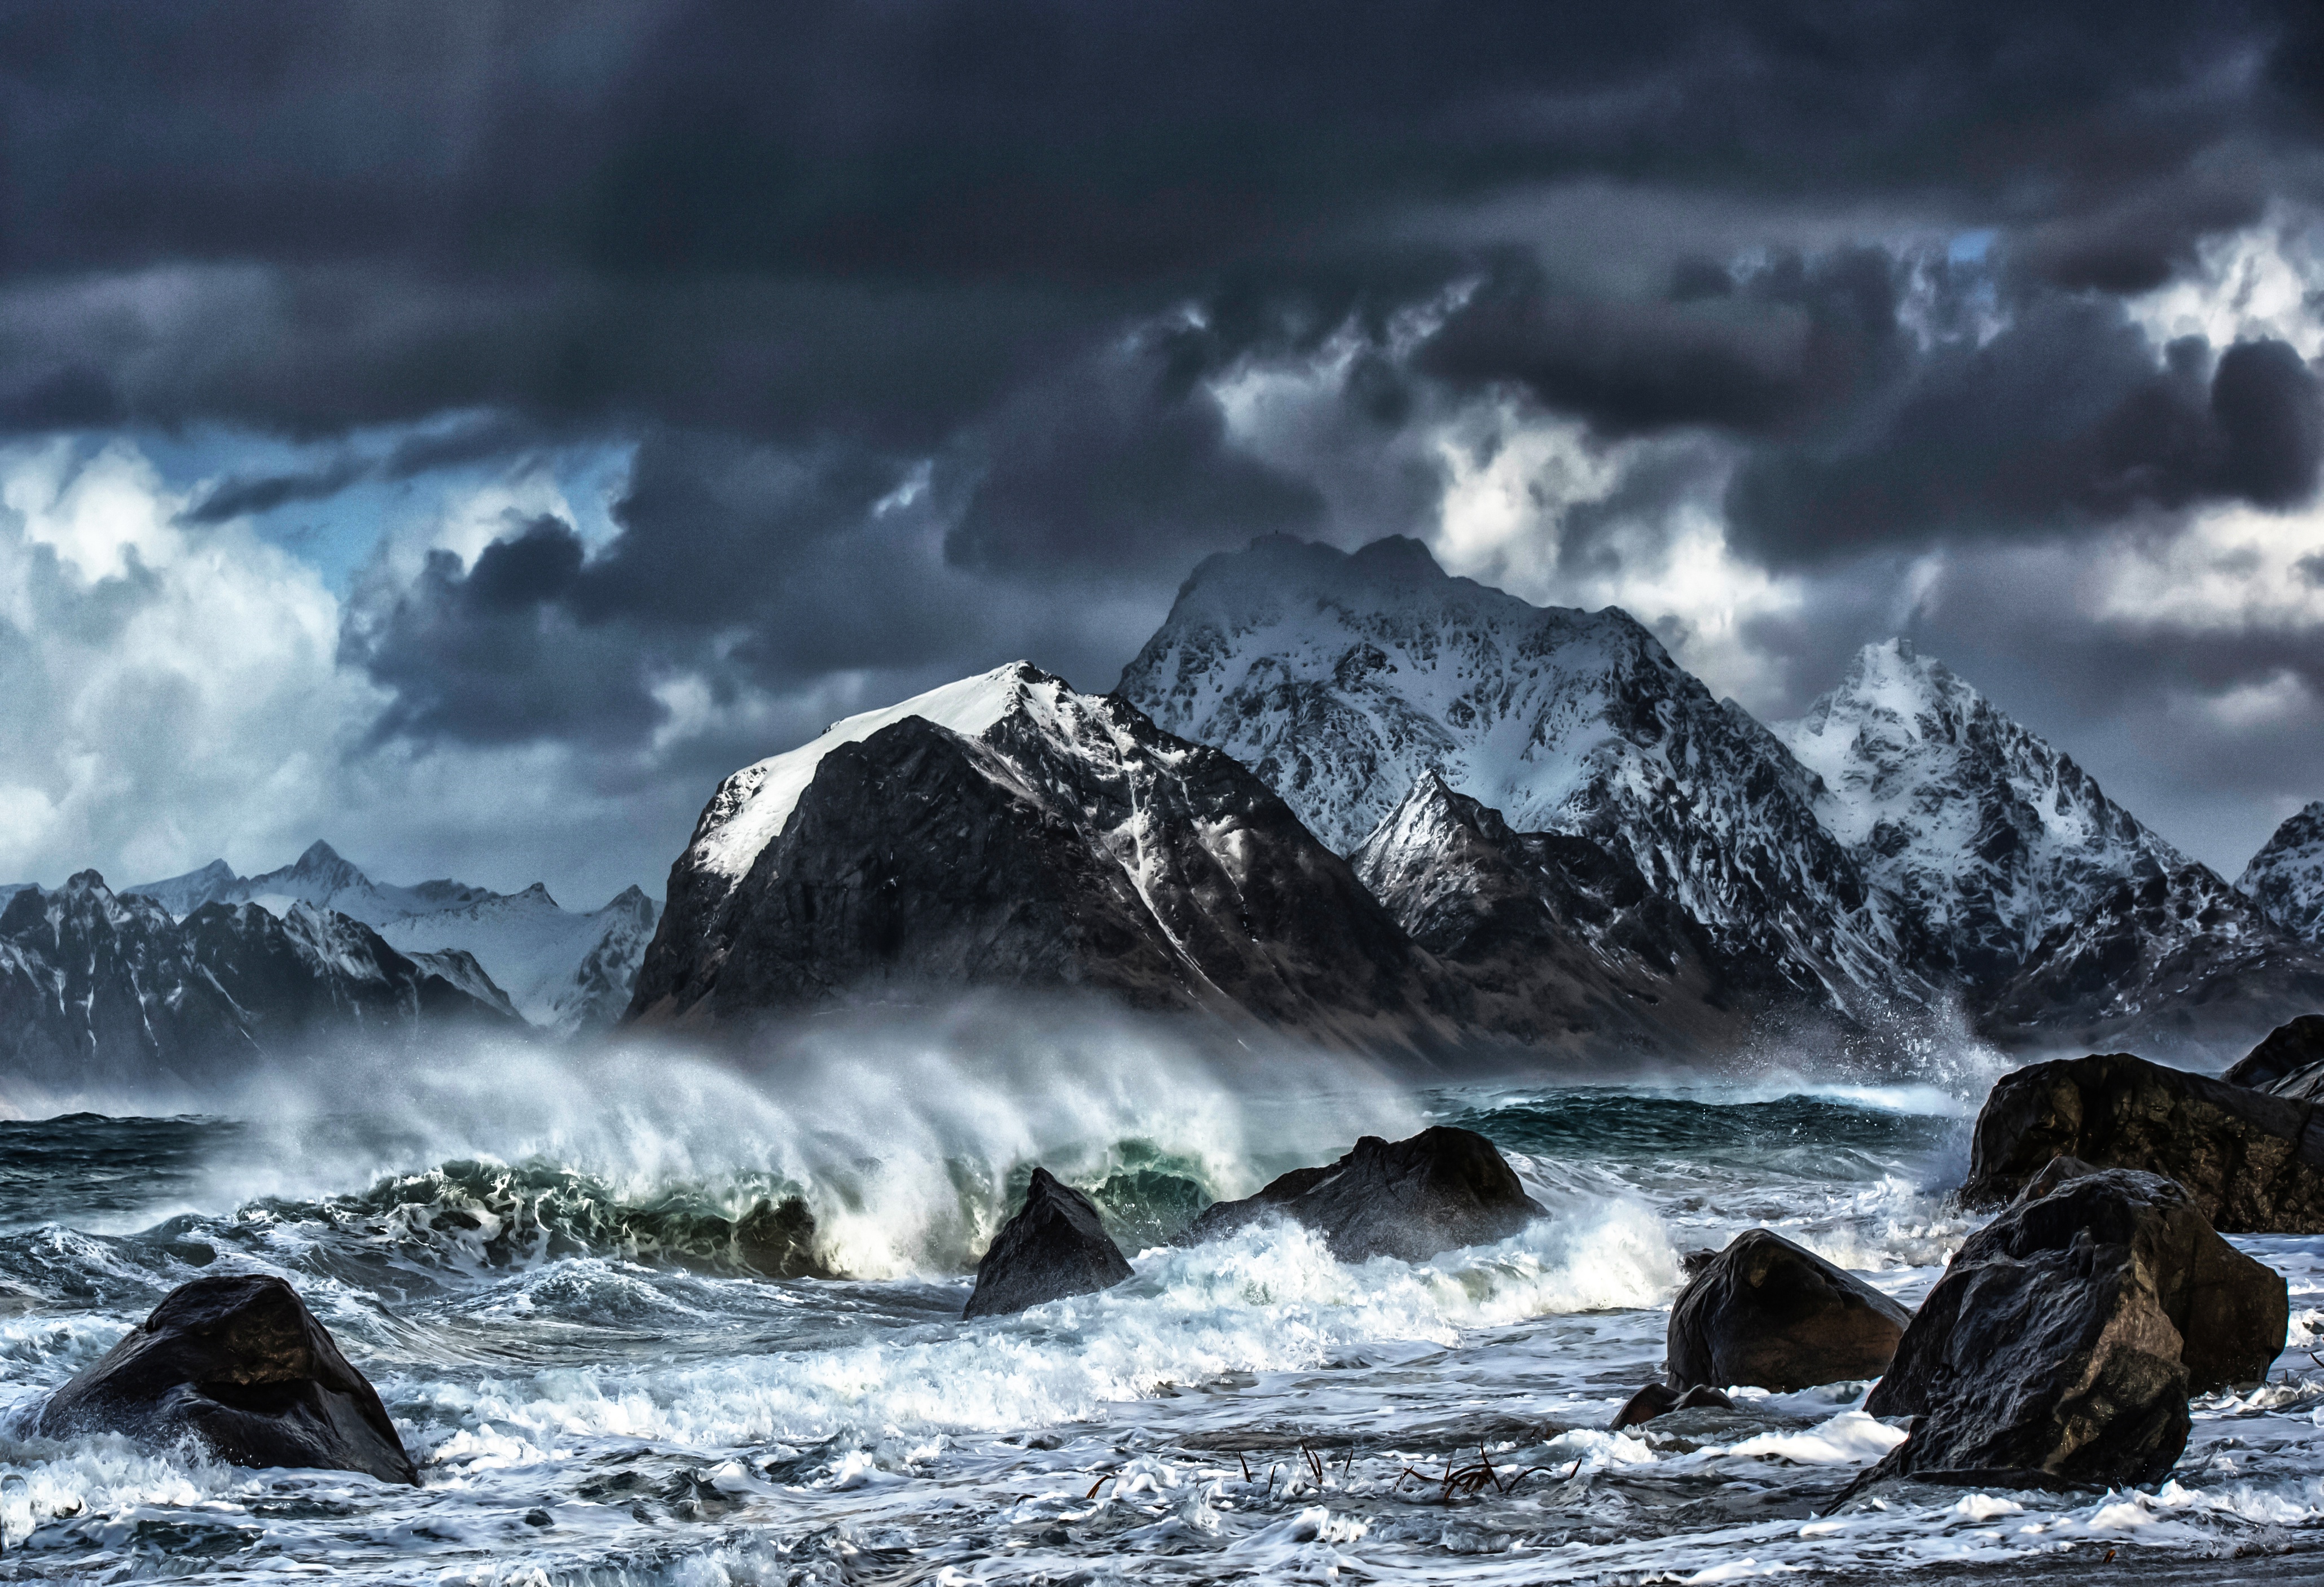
<point>1410,1199</point>
<point>2063,1344</point>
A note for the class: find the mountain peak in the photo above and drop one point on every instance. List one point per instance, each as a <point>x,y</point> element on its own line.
<point>2286,877</point>
<point>1987,836</point>
<point>750,807</point>
<point>318,856</point>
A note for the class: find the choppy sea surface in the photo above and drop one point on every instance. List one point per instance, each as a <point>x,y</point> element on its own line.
<point>531,1258</point>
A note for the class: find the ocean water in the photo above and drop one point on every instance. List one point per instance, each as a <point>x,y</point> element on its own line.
<point>531,1256</point>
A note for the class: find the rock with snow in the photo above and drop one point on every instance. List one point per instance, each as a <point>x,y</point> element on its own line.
<point>2060,1346</point>
<point>2289,1063</point>
<point>95,988</point>
<point>1053,1248</point>
<point>1565,945</point>
<point>1768,1313</point>
<point>1340,680</point>
<point>1440,1189</point>
<point>2252,1163</point>
<point>2286,877</point>
<point>1008,831</point>
<point>560,969</point>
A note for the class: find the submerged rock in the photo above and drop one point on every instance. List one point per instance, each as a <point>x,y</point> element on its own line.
<point>2252,1164</point>
<point>1660,1400</point>
<point>1054,1247</point>
<point>2290,1061</point>
<point>1442,1188</point>
<point>1766,1313</point>
<point>239,1361</point>
<point>2060,1346</point>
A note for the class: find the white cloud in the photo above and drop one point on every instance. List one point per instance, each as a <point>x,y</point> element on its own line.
<point>163,687</point>
<point>2262,281</point>
<point>2227,569</point>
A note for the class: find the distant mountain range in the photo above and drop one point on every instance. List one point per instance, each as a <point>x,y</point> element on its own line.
<point>563,969</point>
<point>1577,847</point>
<point>1341,795</point>
<point>210,968</point>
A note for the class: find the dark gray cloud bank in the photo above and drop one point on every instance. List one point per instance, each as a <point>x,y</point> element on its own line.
<point>943,334</point>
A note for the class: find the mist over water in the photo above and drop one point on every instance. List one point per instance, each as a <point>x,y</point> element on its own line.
<point>543,1258</point>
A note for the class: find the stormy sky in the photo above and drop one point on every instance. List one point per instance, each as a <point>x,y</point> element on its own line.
<point>467,431</point>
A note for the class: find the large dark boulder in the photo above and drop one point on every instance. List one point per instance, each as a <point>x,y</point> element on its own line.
<point>239,1361</point>
<point>2252,1164</point>
<point>2060,1345</point>
<point>2290,1061</point>
<point>1766,1313</point>
<point>1054,1247</point>
<point>1442,1188</point>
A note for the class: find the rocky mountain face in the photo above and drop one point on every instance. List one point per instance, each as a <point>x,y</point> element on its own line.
<point>2286,877</point>
<point>1988,837</point>
<point>2062,919</point>
<point>1342,680</point>
<point>1006,831</point>
<point>2180,964</point>
<point>1563,941</point>
<point>562,969</point>
<point>95,987</point>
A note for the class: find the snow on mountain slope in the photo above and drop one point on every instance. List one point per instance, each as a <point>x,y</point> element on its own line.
<point>748,811</point>
<point>562,969</point>
<point>1990,838</point>
<point>2286,877</point>
<point>1342,680</point>
<point>558,968</point>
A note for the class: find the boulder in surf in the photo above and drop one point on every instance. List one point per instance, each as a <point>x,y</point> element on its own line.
<point>239,1361</point>
<point>2060,1346</point>
<point>1660,1400</point>
<point>1766,1313</point>
<point>1054,1247</point>
<point>1442,1188</point>
<point>2289,1062</point>
<point>2252,1163</point>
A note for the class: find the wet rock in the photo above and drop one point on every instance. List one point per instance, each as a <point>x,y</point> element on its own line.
<point>1766,1312</point>
<point>2254,1164</point>
<point>2290,1063</point>
<point>777,1239</point>
<point>1054,1247</point>
<point>1660,1400</point>
<point>1440,1189</point>
<point>238,1359</point>
<point>2060,1346</point>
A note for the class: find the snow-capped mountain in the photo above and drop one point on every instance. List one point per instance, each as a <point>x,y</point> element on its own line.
<point>1563,941</point>
<point>95,988</point>
<point>561,969</point>
<point>2178,965</point>
<point>2065,921</point>
<point>1006,831</point>
<point>2286,877</point>
<point>1342,679</point>
<point>1988,837</point>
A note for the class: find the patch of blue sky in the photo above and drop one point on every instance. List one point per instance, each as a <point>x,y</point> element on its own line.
<point>352,493</point>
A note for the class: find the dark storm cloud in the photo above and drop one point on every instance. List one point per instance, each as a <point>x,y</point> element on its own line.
<point>491,654</point>
<point>1787,342</point>
<point>238,496</point>
<point>1125,465</point>
<point>918,311</point>
<point>2062,421</point>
